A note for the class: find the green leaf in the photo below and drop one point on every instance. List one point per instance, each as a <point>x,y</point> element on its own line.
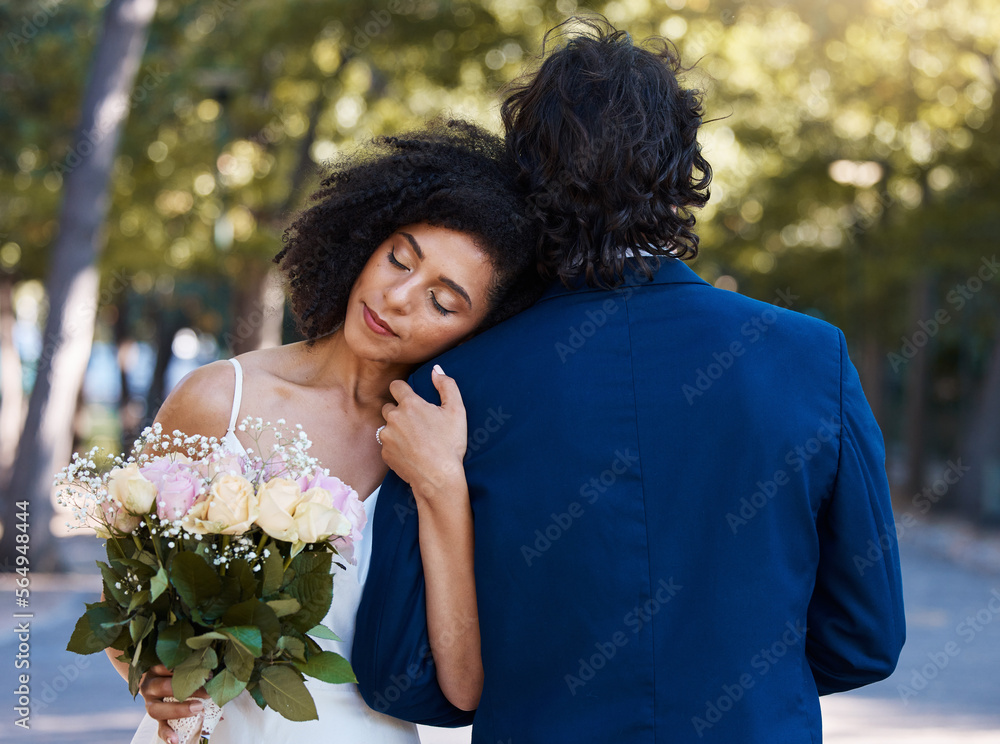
<point>139,627</point>
<point>158,584</point>
<point>293,646</point>
<point>135,673</point>
<point>138,600</point>
<point>214,607</point>
<point>258,696</point>
<point>258,614</point>
<point>242,575</point>
<point>284,607</point>
<point>141,569</point>
<point>329,667</point>
<point>224,686</point>
<point>313,562</point>
<point>205,639</point>
<point>311,646</point>
<point>315,593</point>
<point>274,573</point>
<point>171,645</point>
<point>247,636</point>
<point>193,672</point>
<point>321,631</point>
<point>84,640</point>
<point>99,627</point>
<point>285,692</point>
<point>110,590</point>
<point>194,580</point>
<point>116,550</point>
<point>239,660</point>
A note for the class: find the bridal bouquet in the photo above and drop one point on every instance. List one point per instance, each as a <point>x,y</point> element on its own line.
<point>219,566</point>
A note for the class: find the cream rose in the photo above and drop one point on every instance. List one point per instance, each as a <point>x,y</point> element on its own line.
<point>230,509</point>
<point>316,518</point>
<point>278,499</point>
<point>131,490</point>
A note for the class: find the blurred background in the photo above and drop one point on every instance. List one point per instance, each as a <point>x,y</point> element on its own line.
<point>151,154</point>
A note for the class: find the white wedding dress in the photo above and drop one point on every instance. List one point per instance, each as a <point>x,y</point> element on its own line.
<point>343,714</point>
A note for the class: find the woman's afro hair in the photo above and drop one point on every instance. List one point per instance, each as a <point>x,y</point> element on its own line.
<point>453,175</point>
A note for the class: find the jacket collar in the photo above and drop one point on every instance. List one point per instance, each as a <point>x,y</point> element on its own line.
<point>670,271</point>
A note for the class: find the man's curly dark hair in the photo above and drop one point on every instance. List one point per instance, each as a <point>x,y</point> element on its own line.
<point>606,141</point>
<point>453,175</point>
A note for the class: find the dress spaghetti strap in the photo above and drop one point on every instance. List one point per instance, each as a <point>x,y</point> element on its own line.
<point>237,397</point>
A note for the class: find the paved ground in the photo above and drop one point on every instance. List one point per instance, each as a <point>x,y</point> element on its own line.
<point>950,664</point>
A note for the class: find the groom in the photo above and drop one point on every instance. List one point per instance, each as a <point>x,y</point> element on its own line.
<point>682,521</point>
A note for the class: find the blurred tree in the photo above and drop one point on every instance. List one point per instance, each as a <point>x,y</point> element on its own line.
<point>854,143</point>
<point>10,379</point>
<point>72,284</point>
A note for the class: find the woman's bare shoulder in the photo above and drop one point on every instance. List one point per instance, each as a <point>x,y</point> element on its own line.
<point>201,402</point>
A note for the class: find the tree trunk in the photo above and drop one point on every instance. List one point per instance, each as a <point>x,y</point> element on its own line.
<point>73,280</point>
<point>168,322</point>
<point>979,488</point>
<point>872,372</point>
<point>258,309</point>
<point>124,343</point>
<point>11,391</point>
<point>917,373</point>
<point>259,302</point>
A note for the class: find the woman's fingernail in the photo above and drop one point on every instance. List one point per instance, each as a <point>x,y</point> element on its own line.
<point>196,707</point>
<point>437,368</point>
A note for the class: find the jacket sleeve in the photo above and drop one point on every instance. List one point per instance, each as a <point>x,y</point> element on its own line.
<point>855,621</point>
<point>391,654</point>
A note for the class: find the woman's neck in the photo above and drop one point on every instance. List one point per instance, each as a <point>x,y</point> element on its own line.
<point>330,363</point>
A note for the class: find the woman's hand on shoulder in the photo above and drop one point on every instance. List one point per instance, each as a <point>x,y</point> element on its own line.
<point>157,684</point>
<point>425,444</point>
<point>201,402</point>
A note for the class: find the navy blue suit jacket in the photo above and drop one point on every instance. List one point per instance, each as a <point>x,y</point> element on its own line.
<point>682,525</point>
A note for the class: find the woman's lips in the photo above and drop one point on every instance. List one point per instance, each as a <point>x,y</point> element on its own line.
<point>374,322</point>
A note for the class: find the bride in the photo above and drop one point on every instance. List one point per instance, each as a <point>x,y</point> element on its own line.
<point>405,253</point>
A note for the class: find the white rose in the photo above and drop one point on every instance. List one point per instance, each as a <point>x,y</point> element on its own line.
<point>131,490</point>
<point>230,509</point>
<point>278,499</point>
<point>316,518</point>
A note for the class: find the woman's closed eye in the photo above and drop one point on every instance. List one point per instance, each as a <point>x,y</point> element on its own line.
<point>439,307</point>
<point>434,301</point>
<point>395,261</point>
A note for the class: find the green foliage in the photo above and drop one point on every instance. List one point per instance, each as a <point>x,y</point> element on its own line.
<point>854,142</point>
<point>193,672</point>
<point>171,644</point>
<point>327,666</point>
<point>284,690</point>
<point>99,627</point>
<point>225,686</point>
<point>225,630</point>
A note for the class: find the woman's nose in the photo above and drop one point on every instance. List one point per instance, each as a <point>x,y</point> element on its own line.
<point>398,296</point>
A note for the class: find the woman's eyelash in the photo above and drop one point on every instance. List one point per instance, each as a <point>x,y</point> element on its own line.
<point>437,305</point>
<point>440,308</point>
<point>395,261</point>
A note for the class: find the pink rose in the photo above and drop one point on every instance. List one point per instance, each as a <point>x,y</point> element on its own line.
<point>347,501</point>
<point>275,467</point>
<point>221,462</point>
<point>112,515</point>
<point>107,515</point>
<point>178,485</point>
